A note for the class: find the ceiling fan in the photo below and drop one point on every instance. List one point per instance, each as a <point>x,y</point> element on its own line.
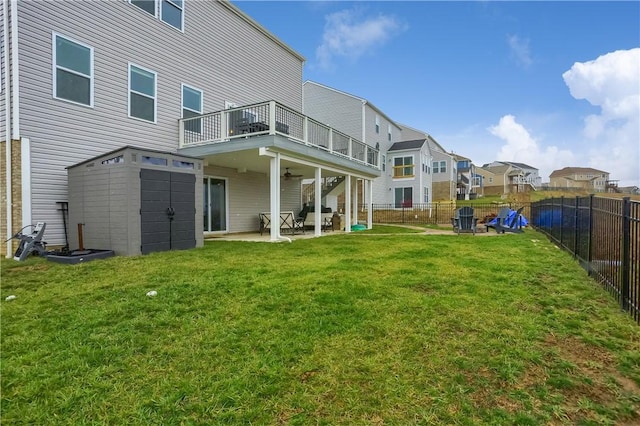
<point>288,175</point>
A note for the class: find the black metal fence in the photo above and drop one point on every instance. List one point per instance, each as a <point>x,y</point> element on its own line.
<point>604,236</point>
<point>431,213</point>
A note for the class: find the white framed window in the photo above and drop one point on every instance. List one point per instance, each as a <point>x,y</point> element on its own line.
<point>142,93</point>
<point>192,107</point>
<point>436,167</point>
<point>389,132</point>
<point>377,124</point>
<point>72,71</point>
<point>425,198</point>
<point>172,12</point>
<point>403,167</point>
<point>384,162</point>
<point>148,6</point>
<point>443,167</point>
<point>403,197</point>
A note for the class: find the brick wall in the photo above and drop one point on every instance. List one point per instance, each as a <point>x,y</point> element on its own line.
<point>16,193</point>
<point>442,191</point>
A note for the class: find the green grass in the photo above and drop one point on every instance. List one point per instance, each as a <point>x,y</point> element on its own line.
<point>345,329</point>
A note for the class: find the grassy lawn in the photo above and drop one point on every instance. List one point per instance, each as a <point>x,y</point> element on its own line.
<point>392,329</point>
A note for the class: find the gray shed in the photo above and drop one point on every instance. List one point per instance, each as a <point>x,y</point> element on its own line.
<point>136,201</point>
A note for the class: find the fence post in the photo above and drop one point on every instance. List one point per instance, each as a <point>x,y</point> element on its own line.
<point>562,220</point>
<point>626,252</point>
<point>590,234</point>
<point>575,227</point>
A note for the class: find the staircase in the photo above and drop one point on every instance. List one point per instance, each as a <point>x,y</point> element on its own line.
<point>328,185</point>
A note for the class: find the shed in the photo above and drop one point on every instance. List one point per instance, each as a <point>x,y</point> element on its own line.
<point>136,201</point>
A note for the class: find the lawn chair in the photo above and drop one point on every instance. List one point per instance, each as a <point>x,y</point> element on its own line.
<point>513,222</point>
<point>464,220</point>
<point>499,220</point>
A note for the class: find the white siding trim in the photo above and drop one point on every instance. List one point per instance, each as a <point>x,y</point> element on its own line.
<point>155,93</point>
<point>54,68</point>
<point>182,86</point>
<point>162,3</point>
<point>25,168</point>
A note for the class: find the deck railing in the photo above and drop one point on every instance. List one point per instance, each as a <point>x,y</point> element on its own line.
<point>273,118</point>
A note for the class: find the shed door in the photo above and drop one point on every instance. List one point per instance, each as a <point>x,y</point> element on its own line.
<point>167,210</point>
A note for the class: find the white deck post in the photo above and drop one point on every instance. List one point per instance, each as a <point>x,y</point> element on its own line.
<point>272,119</point>
<point>317,213</point>
<point>274,196</point>
<point>369,198</point>
<point>347,203</point>
<point>355,202</point>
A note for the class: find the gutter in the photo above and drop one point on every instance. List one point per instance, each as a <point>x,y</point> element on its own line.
<point>5,72</point>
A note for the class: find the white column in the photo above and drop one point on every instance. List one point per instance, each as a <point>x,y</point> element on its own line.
<point>369,198</point>
<point>25,154</point>
<point>347,203</point>
<point>274,198</point>
<point>317,212</point>
<point>355,201</point>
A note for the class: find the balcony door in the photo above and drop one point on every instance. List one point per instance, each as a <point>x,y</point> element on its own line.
<point>215,204</point>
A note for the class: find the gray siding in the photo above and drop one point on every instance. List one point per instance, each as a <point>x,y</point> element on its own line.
<point>338,110</point>
<point>249,195</point>
<point>219,53</point>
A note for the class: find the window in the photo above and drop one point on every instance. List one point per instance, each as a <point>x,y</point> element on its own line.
<point>377,124</point>
<point>148,6</point>
<point>436,167</point>
<point>172,13</point>
<point>384,163</point>
<point>389,132</point>
<point>403,197</point>
<point>403,167</point>
<point>192,107</point>
<point>443,167</point>
<point>142,93</point>
<point>73,71</point>
<point>426,194</point>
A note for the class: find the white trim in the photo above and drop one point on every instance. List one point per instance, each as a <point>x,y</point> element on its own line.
<point>55,67</point>
<point>182,87</point>
<point>226,204</point>
<point>181,8</point>
<point>155,8</point>
<point>15,74</point>
<point>155,94</point>
<point>25,170</point>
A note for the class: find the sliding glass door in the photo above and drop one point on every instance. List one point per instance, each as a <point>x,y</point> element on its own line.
<point>215,204</point>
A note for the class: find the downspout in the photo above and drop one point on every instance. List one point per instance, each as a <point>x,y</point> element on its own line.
<point>5,71</point>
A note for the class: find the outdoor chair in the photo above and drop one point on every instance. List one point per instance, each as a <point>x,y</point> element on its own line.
<point>513,222</point>
<point>464,220</point>
<point>288,222</point>
<point>499,220</point>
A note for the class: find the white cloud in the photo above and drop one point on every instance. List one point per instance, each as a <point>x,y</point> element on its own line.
<point>611,82</point>
<point>521,147</point>
<point>520,49</point>
<point>346,35</point>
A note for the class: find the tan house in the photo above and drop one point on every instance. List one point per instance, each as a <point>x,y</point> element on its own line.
<point>501,177</point>
<point>582,178</point>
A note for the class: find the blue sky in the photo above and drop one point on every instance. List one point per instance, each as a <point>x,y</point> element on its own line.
<point>549,84</point>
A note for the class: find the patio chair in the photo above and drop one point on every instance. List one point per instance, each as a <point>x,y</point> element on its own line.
<point>499,220</point>
<point>464,220</point>
<point>513,222</point>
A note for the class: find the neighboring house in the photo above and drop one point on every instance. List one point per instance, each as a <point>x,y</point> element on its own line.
<point>359,119</point>
<point>582,178</point>
<point>410,162</point>
<point>443,166</point>
<point>469,182</point>
<point>83,78</point>
<point>509,177</point>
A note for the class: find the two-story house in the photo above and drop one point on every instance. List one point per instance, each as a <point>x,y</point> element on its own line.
<point>469,182</point>
<point>504,177</point>
<point>581,178</point>
<point>197,78</point>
